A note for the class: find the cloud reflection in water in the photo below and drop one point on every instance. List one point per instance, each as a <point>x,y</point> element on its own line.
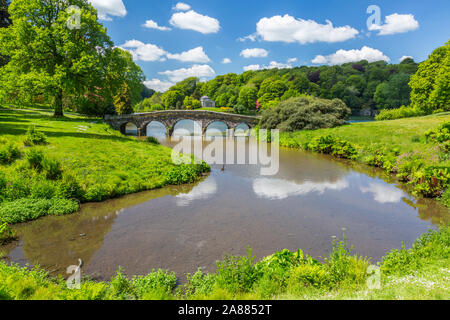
<point>278,189</point>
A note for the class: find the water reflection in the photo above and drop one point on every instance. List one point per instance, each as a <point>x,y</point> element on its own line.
<point>202,191</point>
<point>383,193</point>
<point>281,189</point>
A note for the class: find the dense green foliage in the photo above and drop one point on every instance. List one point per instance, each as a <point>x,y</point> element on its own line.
<point>305,113</point>
<point>361,86</point>
<point>431,84</point>
<point>418,273</point>
<point>76,68</point>
<point>71,163</point>
<point>400,113</point>
<point>5,21</point>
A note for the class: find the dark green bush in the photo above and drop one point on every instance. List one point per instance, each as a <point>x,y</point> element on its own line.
<point>9,152</point>
<point>160,281</point>
<point>70,188</point>
<point>237,274</point>
<point>439,135</point>
<point>305,113</point>
<point>27,209</point>
<point>52,168</point>
<point>331,145</point>
<point>34,137</point>
<point>152,140</point>
<point>35,158</point>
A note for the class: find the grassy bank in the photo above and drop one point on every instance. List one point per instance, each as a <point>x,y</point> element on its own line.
<point>71,160</point>
<point>421,272</point>
<point>401,147</point>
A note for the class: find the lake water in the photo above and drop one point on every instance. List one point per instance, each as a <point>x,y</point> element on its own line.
<point>182,228</point>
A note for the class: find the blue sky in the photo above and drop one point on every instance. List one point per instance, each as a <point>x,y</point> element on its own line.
<point>171,40</point>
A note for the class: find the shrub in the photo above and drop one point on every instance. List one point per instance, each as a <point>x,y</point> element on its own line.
<point>199,284</point>
<point>52,168</point>
<point>303,113</point>
<point>433,244</point>
<point>27,209</point>
<point>157,107</point>
<point>35,158</point>
<point>70,188</point>
<point>158,282</point>
<point>400,113</point>
<point>9,152</point>
<point>236,274</point>
<point>34,137</point>
<point>343,267</point>
<point>309,275</point>
<point>430,181</point>
<point>439,135</point>
<point>331,145</point>
<point>152,140</point>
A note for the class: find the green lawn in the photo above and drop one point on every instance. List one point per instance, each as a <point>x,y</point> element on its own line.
<point>97,162</point>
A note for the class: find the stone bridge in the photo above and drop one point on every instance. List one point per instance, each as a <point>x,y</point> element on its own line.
<point>169,119</point>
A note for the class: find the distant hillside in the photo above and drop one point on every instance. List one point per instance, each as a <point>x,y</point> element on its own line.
<point>362,86</point>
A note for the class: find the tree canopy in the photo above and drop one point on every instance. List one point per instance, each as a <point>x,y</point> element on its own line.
<point>59,62</point>
<point>431,84</point>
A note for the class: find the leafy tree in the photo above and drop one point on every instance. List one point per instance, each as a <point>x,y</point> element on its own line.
<point>5,22</point>
<point>431,84</point>
<point>48,56</point>
<point>305,113</point>
<point>173,99</point>
<point>122,100</point>
<point>191,103</point>
<point>247,98</point>
<point>394,93</point>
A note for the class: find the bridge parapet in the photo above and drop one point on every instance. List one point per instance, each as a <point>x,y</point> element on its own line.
<point>170,117</point>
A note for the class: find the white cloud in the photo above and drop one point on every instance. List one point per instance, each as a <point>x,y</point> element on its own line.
<point>226,61</point>
<point>193,55</point>
<point>344,56</point>
<point>405,57</point>
<point>144,51</point>
<point>281,189</point>
<point>396,23</point>
<point>180,6</point>
<point>278,65</point>
<point>158,85</point>
<point>384,193</point>
<point>251,37</point>
<point>150,24</point>
<point>192,20</point>
<point>200,71</point>
<point>272,65</point>
<point>252,67</point>
<point>108,8</point>
<point>289,29</point>
<point>291,60</point>
<point>254,53</point>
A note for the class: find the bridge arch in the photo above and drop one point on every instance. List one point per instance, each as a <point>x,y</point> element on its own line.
<point>155,128</point>
<point>186,127</point>
<point>216,128</point>
<point>129,129</point>
<point>242,129</point>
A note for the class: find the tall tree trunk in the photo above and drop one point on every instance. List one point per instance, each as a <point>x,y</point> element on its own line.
<point>59,104</point>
